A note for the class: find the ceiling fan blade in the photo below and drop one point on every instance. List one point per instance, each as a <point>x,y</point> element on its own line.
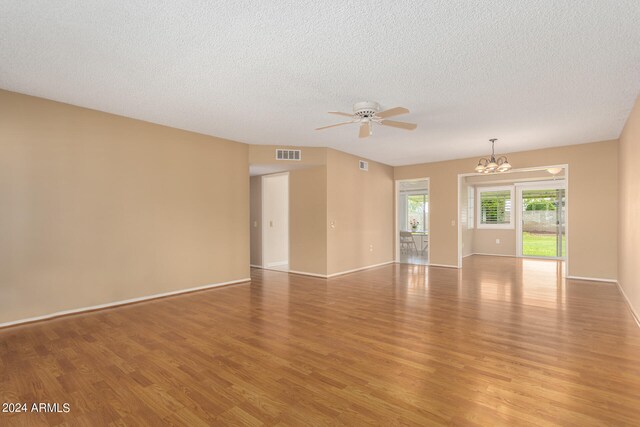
<point>392,112</point>
<point>331,126</point>
<point>365,130</point>
<point>341,113</point>
<point>401,125</point>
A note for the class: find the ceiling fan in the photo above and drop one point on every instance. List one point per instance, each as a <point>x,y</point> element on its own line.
<point>367,113</point>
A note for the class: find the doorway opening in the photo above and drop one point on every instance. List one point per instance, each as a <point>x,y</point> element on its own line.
<point>541,230</point>
<point>275,221</point>
<point>520,213</point>
<point>412,221</point>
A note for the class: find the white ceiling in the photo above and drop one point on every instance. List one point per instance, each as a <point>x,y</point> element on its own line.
<point>533,73</point>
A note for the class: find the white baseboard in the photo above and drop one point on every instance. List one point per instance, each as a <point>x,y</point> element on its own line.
<point>122,302</point>
<point>276,264</point>
<point>359,269</point>
<point>430,264</point>
<point>635,315</point>
<point>592,279</point>
<point>328,276</point>
<point>279,270</point>
<point>485,254</point>
<point>306,273</point>
<point>443,265</point>
<point>271,267</point>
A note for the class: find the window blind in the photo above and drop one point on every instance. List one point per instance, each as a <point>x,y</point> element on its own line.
<point>495,207</point>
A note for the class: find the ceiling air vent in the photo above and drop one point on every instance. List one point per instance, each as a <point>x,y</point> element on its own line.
<point>288,154</point>
<point>364,165</point>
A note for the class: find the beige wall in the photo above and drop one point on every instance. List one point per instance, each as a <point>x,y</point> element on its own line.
<point>484,241</point>
<point>98,208</point>
<point>629,219</point>
<point>307,206</point>
<point>327,185</point>
<point>255,216</point>
<point>266,155</point>
<point>308,219</point>
<point>592,250</point>
<point>361,206</point>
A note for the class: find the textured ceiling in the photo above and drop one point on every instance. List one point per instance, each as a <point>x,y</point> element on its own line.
<point>534,73</point>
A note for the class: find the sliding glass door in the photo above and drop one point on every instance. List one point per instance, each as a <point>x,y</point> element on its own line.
<point>542,225</point>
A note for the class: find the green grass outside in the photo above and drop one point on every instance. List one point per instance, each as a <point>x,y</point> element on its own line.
<point>541,244</point>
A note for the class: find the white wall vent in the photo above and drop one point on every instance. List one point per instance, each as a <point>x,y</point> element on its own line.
<point>288,154</point>
<point>364,165</point>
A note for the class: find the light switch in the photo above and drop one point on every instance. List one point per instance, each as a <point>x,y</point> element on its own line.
<point>453,222</point>
<point>255,224</point>
<point>497,241</point>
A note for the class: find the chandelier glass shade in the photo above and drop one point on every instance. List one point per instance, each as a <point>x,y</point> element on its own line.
<point>491,164</point>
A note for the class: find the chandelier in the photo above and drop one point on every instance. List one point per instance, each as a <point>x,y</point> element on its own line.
<point>490,164</point>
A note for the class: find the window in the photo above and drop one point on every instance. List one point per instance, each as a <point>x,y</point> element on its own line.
<point>495,207</point>
<point>417,212</point>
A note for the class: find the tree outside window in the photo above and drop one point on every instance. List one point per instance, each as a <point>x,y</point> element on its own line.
<point>417,211</point>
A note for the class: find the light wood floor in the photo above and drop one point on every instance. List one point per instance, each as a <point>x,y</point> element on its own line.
<point>502,342</point>
<point>419,258</point>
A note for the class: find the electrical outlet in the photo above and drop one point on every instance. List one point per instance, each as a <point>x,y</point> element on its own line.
<point>332,224</point>
<point>255,224</point>
<point>370,248</point>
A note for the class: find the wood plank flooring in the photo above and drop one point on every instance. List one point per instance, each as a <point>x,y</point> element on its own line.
<point>501,342</point>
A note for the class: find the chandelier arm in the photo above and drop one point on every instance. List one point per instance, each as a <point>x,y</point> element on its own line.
<point>489,164</point>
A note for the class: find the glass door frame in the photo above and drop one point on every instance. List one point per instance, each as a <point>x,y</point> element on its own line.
<point>396,211</point>
<point>540,185</point>
<point>425,201</point>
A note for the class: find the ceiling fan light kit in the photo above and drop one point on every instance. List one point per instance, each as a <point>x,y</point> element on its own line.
<point>491,164</point>
<point>367,113</point>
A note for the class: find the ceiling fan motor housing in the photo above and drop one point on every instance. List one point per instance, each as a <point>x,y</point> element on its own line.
<point>368,113</point>
<point>366,109</point>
